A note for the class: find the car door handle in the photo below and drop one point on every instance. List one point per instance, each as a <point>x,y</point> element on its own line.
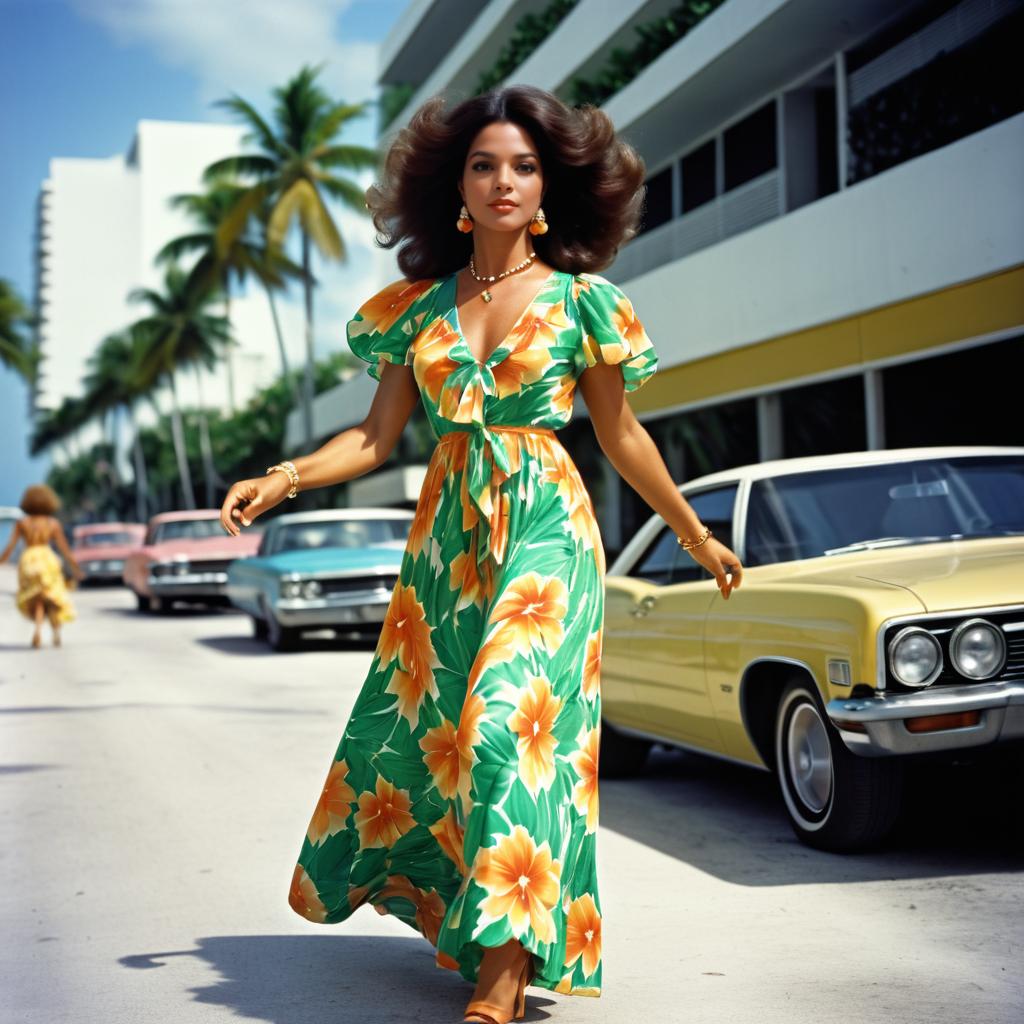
<point>644,605</point>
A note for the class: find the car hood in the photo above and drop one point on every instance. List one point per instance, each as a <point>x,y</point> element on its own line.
<point>207,547</point>
<point>321,560</point>
<point>944,577</point>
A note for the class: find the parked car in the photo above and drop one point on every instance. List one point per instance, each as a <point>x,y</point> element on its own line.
<point>101,549</point>
<point>185,557</point>
<point>331,568</point>
<point>880,617</point>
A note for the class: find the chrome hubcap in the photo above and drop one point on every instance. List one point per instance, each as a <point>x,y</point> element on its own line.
<point>810,760</point>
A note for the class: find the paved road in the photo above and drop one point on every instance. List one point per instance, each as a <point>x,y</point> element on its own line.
<point>157,775</point>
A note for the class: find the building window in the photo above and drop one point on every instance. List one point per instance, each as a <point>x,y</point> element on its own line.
<point>822,418</point>
<point>693,444</point>
<point>698,171</point>
<point>901,108</point>
<point>749,147</point>
<point>954,398</point>
<point>658,201</point>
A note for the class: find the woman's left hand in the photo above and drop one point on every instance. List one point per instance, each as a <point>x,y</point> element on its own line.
<point>720,562</point>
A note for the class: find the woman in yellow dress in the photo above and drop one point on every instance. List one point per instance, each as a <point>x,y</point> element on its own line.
<point>41,588</point>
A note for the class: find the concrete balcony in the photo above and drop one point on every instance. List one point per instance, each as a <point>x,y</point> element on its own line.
<point>944,218</point>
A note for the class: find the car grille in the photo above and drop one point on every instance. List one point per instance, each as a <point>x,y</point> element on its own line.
<point>941,627</point>
<point>211,565</point>
<point>350,584</point>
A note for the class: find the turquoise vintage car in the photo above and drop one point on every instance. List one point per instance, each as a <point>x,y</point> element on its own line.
<point>326,569</point>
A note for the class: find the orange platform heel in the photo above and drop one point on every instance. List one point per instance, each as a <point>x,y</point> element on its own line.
<point>479,1011</point>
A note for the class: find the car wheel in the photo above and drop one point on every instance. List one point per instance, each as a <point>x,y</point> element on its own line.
<point>836,800</point>
<point>259,627</point>
<point>142,602</point>
<point>620,756</point>
<point>281,638</point>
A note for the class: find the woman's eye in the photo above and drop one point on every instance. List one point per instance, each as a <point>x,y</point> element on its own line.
<point>483,163</point>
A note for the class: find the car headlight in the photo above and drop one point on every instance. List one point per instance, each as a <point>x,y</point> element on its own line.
<point>311,589</point>
<point>915,656</point>
<point>977,649</point>
<point>291,588</point>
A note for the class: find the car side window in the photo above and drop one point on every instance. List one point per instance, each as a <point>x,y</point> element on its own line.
<point>665,562</point>
<point>266,543</point>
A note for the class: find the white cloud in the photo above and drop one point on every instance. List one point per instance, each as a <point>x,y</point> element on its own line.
<point>245,47</point>
<point>249,48</point>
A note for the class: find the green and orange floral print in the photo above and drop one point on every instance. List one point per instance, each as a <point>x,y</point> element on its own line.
<point>463,795</point>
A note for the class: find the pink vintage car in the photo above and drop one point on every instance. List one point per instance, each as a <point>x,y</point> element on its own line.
<point>102,548</point>
<point>185,557</point>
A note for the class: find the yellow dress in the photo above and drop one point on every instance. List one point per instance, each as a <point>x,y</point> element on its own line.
<point>40,574</point>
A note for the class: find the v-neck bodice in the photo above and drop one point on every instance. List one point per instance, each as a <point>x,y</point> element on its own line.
<point>526,311</point>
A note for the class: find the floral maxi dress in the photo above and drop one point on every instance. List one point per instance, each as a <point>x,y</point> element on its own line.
<point>463,796</point>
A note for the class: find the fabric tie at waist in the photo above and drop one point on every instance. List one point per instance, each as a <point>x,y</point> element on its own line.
<point>485,452</point>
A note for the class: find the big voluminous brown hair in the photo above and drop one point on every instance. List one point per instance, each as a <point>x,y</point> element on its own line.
<point>593,182</point>
<point>40,500</point>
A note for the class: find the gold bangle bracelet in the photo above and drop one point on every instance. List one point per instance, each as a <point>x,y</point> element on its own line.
<point>687,544</point>
<point>288,468</point>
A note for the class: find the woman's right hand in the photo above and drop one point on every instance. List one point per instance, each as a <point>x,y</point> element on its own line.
<point>248,499</point>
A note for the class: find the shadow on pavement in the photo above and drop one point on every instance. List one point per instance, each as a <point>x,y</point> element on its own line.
<point>730,821</point>
<point>332,979</point>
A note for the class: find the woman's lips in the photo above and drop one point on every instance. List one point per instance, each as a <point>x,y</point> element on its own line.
<point>502,206</point>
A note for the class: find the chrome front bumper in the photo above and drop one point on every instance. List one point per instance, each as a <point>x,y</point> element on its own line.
<point>882,717</point>
<point>351,609</point>
<point>102,569</point>
<point>188,585</point>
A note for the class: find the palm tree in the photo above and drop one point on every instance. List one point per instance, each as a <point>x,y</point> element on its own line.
<point>293,173</point>
<point>17,350</point>
<point>59,427</point>
<point>181,332</point>
<point>244,256</point>
<point>114,382</point>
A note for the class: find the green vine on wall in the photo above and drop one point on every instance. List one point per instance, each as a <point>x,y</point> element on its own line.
<point>625,63</point>
<point>622,65</point>
<point>529,32</point>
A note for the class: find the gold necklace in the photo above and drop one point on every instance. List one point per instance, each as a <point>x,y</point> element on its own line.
<point>486,293</point>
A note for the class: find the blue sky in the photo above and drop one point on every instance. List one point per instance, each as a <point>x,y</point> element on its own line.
<point>77,75</point>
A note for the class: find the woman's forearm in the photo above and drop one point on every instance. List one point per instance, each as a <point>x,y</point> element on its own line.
<point>637,460</point>
<point>347,455</point>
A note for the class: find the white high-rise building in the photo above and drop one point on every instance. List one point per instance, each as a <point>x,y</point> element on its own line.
<point>101,223</point>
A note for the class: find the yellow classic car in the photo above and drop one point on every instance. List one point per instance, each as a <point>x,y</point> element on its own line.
<point>880,617</point>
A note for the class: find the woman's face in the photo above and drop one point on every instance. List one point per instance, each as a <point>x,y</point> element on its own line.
<point>502,163</point>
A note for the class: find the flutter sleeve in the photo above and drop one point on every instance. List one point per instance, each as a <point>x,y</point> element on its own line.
<point>384,326</point>
<point>610,331</point>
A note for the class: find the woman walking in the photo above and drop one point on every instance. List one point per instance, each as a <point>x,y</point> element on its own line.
<point>463,795</point>
<point>42,592</point>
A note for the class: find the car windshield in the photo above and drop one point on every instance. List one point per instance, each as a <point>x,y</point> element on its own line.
<point>338,533</point>
<point>837,511</point>
<point>111,537</point>
<point>187,529</point>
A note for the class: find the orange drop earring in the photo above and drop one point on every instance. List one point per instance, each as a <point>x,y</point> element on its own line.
<point>464,224</point>
<point>538,223</point>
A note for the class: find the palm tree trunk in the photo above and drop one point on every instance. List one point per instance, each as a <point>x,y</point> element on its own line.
<point>209,470</point>
<point>307,396</point>
<point>228,357</point>
<point>141,483</point>
<point>178,433</point>
<point>286,371</point>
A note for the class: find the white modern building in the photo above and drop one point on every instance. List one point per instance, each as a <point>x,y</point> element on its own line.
<point>101,223</point>
<point>832,253</point>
